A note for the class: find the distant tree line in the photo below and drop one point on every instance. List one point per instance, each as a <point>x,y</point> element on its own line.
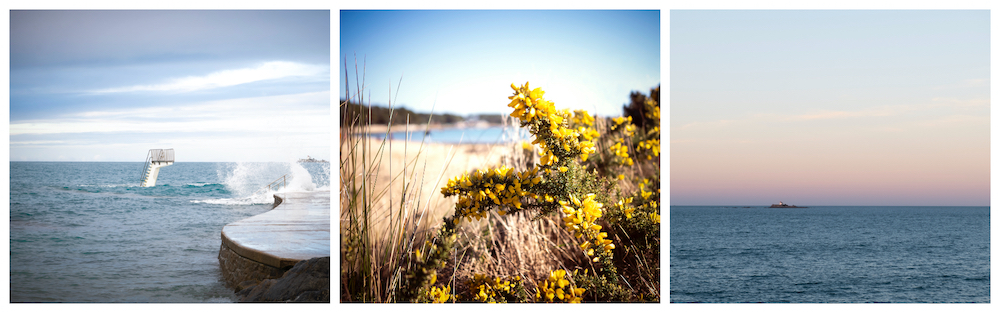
<point>490,118</point>
<point>381,115</point>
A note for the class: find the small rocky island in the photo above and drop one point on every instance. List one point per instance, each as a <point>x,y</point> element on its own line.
<point>310,159</point>
<point>784,205</point>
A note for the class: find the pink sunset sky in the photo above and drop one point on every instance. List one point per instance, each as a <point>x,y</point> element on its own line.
<point>830,107</point>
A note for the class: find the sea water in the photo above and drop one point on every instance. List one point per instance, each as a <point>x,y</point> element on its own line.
<point>829,254</point>
<point>471,135</point>
<point>86,232</point>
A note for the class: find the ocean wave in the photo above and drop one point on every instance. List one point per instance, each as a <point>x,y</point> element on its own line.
<point>110,186</point>
<point>247,182</point>
<point>203,185</point>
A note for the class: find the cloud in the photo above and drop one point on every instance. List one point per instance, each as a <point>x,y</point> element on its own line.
<point>705,124</point>
<point>38,142</point>
<point>822,115</point>
<point>895,110</point>
<point>958,103</point>
<point>965,83</point>
<point>952,120</point>
<point>307,112</point>
<point>265,71</point>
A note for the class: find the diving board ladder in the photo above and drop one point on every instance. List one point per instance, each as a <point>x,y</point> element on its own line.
<point>155,159</point>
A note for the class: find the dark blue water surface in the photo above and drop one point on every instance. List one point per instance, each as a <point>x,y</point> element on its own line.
<point>86,232</point>
<point>829,254</point>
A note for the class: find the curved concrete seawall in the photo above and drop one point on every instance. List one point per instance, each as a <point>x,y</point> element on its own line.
<point>266,245</point>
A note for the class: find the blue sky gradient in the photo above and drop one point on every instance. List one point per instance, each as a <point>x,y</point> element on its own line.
<point>213,85</point>
<point>463,62</point>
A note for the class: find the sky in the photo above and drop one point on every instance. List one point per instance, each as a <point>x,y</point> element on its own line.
<point>830,107</point>
<point>463,62</point>
<point>216,86</point>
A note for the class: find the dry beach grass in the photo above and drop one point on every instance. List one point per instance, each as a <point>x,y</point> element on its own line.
<point>421,169</point>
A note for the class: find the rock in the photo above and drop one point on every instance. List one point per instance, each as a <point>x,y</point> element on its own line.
<point>245,285</point>
<point>307,281</point>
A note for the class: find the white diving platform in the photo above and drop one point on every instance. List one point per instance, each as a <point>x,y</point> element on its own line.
<point>155,159</point>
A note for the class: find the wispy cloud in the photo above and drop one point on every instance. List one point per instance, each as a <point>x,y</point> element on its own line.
<point>952,120</point>
<point>309,112</point>
<point>226,78</point>
<point>959,103</point>
<point>883,111</point>
<point>965,83</point>
<point>870,112</point>
<point>704,124</point>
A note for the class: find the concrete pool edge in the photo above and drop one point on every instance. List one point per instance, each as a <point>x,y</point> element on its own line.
<point>266,245</point>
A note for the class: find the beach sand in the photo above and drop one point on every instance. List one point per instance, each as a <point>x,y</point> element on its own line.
<point>423,170</point>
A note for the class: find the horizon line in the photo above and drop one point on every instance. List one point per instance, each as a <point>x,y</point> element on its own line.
<point>819,205</point>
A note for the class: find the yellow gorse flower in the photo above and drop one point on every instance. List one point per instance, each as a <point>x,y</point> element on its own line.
<point>623,206</point>
<point>527,146</point>
<point>440,295</point>
<point>581,218</point>
<point>560,134</point>
<point>558,288</point>
<point>651,147</point>
<point>528,103</point>
<point>648,199</point>
<point>502,188</point>
<point>619,121</point>
<point>492,289</point>
<point>621,151</point>
<point>581,117</point>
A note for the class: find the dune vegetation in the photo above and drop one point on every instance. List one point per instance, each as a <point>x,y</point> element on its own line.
<point>572,216</point>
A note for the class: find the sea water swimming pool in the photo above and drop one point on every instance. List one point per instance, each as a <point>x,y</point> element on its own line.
<point>86,232</point>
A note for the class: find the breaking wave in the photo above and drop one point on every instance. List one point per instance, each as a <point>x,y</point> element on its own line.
<point>256,183</point>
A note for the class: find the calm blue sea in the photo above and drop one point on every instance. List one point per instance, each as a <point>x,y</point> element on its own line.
<point>829,254</point>
<point>485,135</point>
<point>86,232</point>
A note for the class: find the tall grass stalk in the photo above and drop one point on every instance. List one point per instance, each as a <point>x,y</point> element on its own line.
<point>382,226</point>
<point>375,240</point>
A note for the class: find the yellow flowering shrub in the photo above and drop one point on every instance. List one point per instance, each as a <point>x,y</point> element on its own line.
<point>582,221</point>
<point>488,289</point>
<point>649,191</point>
<point>440,295</point>
<point>558,288</point>
<point>417,283</point>
<point>435,294</point>
<point>500,188</point>
<point>625,206</point>
<point>637,215</point>
<point>551,127</point>
<point>562,179</point>
<point>621,151</point>
<point>562,137</point>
